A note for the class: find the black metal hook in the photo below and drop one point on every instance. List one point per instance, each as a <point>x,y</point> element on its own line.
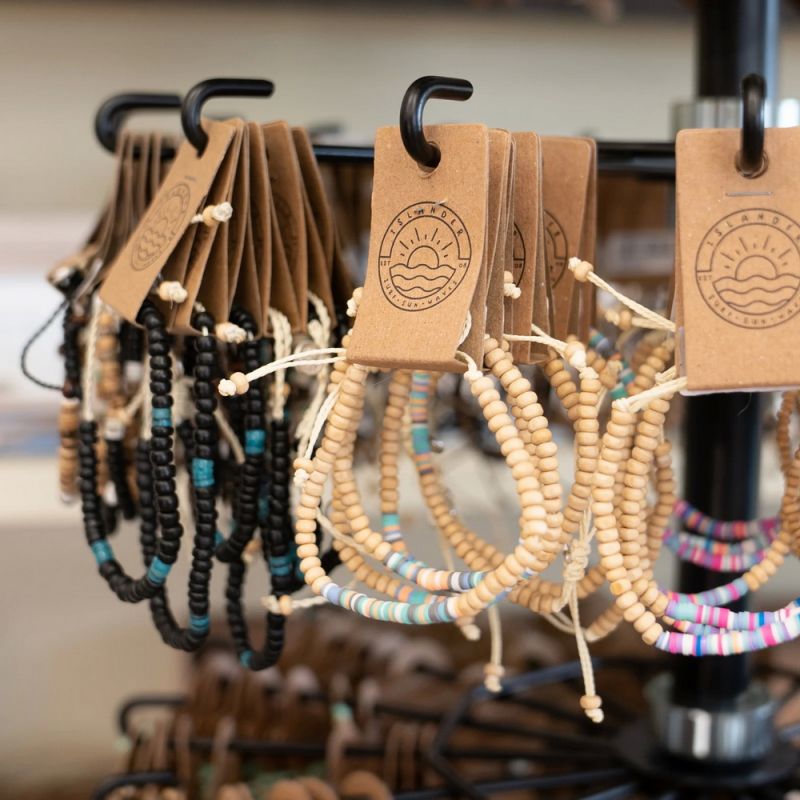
<point>750,160</point>
<point>111,114</point>
<point>216,87</point>
<point>418,147</point>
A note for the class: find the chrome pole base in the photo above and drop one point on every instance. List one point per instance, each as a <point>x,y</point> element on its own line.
<point>743,731</point>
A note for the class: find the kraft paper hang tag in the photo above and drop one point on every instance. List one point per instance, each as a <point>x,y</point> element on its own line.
<point>526,237</point>
<point>252,286</point>
<point>502,251</point>
<point>499,155</point>
<point>184,188</point>
<point>319,222</point>
<point>587,251</point>
<point>105,233</point>
<point>567,164</point>
<point>282,293</point>
<point>236,227</point>
<point>319,276</point>
<point>542,296</point>
<point>124,215</point>
<point>312,179</point>
<point>206,276</point>
<point>141,174</point>
<point>286,186</point>
<point>739,251</point>
<point>157,144</point>
<point>426,246</point>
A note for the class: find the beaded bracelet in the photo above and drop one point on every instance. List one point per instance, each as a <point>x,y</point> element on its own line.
<point>530,554</point>
<point>156,484</point>
<point>631,597</point>
<point>273,517</point>
<point>69,413</point>
<point>204,456</point>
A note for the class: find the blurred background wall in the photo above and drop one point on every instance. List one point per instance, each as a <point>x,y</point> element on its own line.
<point>69,651</point>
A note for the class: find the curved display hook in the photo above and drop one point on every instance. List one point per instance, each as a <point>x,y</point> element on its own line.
<point>111,114</point>
<point>197,96</point>
<point>418,147</point>
<point>751,155</point>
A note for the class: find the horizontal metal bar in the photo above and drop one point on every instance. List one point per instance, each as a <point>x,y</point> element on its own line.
<point>653,159</point>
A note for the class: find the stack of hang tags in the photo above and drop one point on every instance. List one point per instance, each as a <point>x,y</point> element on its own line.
<point>504,260</point>
<point>737,263</point>
<point>140,167</point>
<point>245,224</point>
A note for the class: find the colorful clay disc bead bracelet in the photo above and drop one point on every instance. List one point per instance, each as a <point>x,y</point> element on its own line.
<point>631,598</point>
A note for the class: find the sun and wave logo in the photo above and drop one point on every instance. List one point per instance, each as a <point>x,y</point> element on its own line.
<point>555,248</point>
<point>748,268</point>
<point>424,256</point>
<point>159,227</point>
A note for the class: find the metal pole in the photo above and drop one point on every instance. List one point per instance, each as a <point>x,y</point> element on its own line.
<point>722,432</point>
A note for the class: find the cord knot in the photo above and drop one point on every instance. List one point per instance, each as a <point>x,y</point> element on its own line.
<point>592,707</point>
<point>581,269</point>
<point>575,353</point>
<point>214,214</point>
<point>236,384</point>
<point>353,302</point>
<point>230,333</point>
<point>510,289</point>
<point>577,560</point>
<point>492,677</point>
<point>171,292</point>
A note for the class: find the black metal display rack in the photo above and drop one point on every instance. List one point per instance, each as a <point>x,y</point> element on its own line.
<point>623,757</point>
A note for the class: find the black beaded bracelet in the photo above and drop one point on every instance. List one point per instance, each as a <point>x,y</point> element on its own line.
<point>250,512</point>
<point>204,452</point>
<point>128,589</point>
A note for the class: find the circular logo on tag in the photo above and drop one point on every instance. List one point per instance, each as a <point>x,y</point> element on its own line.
<point>555,248</point>
<point>748,268</point>
<point>518,255</point>
<point>160,227</point>
<point>424,256</point>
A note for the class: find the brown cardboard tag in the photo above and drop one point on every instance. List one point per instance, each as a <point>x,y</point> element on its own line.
<point>426,247</point>
<point>282,294</point>
<point>237,225</point>
<point>206,277</point>
<point>499,157</point>
<point>567,166</point>
<point>157,144</point>
<point>252,287</point>
<point>502,256</point>
<point>188,182</point>
<point>312,179</point>
<point>739,251</point>
<point>319,275</point>
<point>526,237</point>
<point>287,194</point>
<point>587,251</point>
<point>141,174</point>
<point>508,251</point>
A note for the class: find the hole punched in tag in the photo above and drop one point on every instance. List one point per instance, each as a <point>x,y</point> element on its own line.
<point>751,160</point>
<point>425,153</point>
<point>200,93</point>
